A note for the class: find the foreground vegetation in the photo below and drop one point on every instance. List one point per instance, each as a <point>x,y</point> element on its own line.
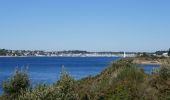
<point>122,80</point>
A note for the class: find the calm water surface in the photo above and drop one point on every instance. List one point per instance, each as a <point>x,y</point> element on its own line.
<point>47,69</point>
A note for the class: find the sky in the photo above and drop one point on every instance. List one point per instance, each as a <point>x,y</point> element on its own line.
<point>93,25</point>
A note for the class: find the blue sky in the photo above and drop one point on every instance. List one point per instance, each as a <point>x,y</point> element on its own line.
<point>94,25</point>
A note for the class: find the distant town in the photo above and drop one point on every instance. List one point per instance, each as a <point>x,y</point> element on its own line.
<point>77,53</point>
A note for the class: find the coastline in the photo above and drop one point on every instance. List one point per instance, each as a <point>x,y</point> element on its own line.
<point>151,61</point>
<point>148,62</point>
<point>52,56</point>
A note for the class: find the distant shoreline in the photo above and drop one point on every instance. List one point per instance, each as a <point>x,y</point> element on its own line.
<point>55,56</point>
<point>151,61</point>
<point>148,63</point>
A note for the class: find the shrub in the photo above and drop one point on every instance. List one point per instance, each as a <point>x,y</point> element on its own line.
<point>63,89</point>
<point>131,74</point>
<point>66,85</point>
<point>161,82</point>
<point>40,92</point>
<point>17,82</point>
<point>121,92</point>
<point>165,72</point>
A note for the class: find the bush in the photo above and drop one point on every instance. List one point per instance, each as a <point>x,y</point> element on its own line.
<point>161,82</point>
<point>17,82</point>
<point>40,92</point>
<point>63,89</point>
<point>66,86</point>
<point>121,92</point>
<point>165,72</point>
<point>131,74</point>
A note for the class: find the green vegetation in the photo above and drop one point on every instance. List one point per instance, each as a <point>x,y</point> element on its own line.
<point>122,80</point>
<point>18,82</point>
<point>169,53</point>
<point>3,52</point>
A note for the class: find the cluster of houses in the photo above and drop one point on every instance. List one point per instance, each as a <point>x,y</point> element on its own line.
<point>162,55</point>
<point>73,53</point>
<point>77,53</point>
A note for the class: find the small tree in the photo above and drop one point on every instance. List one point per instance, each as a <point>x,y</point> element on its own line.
<point>17,82</point>
<point>3,52</point>
<point>66,86</point>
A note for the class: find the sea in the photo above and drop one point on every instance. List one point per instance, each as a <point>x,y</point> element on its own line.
<point>48,69</point>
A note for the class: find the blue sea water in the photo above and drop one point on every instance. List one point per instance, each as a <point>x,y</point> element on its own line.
<point>47,69</point>
<point>149,68</point>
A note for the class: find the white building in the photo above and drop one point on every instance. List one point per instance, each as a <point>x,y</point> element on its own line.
<point>165,54</point>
